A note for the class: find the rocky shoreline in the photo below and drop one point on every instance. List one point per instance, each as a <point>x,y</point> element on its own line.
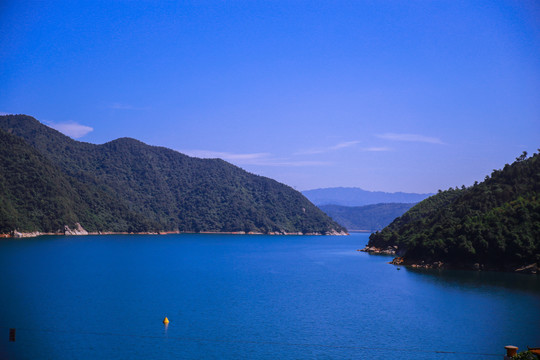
<point>78,230</point>
<point>523,269</point>
<point>390,250</point>
<point>420,264</point>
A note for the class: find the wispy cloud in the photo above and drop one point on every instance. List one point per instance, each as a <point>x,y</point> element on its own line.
<point>208,154</point>
<point>410,138</point>
<point>343,145</point>
<point>72,129</point>
<point>261,159</point>
<point>119,106</point>
<point>4,113</point>
<point>376,149</point>
<point>339,146</point>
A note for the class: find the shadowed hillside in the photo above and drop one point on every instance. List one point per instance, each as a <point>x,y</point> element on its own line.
<point>368,217</point>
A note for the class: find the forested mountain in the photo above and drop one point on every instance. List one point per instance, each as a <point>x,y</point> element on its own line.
<point>49,179</point>
<point>495,223</point>
<point>357,197</point>
<point>368,217</point>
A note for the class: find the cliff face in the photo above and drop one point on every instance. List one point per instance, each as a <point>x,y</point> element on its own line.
<point>493,225</point>
<point>128,186</point>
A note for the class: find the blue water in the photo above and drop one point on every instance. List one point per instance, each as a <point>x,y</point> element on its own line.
<point>250,297</point>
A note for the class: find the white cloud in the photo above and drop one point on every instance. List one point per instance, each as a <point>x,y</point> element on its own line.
<point>410,138</point>
<point>261,159</point>
<point>71,129</point>
<point>376,149</point>
<point>4,113</point>
<point>339,146</point>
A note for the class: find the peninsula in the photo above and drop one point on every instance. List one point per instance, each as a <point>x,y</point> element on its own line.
<point>492,225</point>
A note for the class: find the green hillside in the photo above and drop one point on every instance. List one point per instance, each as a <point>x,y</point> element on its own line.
<point>35,195</point>
<point>368,217</point>
<point>126,185</point>
<point>494,223</point>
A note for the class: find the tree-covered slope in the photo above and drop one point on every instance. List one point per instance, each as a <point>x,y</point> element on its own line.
<point>368,217</point>
<point>494,223</point>
<point>161,189</point>
<point>36,195</point>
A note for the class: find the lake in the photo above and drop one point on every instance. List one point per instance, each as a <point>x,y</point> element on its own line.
<point>250,297</point>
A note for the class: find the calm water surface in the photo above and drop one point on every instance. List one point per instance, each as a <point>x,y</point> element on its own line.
<point>250,297</point>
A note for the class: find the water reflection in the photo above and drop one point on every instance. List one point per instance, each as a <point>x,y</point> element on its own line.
<point>478,279</point>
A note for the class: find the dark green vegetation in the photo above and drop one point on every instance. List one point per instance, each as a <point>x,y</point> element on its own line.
<point>368,217</point>
<point>526,355</point>
<point>495,223</point>
<point>48,180</point>
<point>358,197</point>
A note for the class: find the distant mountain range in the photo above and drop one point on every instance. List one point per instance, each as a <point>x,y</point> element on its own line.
<point>48,180</point>
<point>350,196</point>
<point>365,218</point>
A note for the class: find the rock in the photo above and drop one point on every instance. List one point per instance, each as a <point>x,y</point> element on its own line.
<point>438,264</point>
<point>528,269</point>
<point>374,250</point>
<point>388,251</point>
<point>78,230</point>
<point>17,234</point>
<point>335,232</point>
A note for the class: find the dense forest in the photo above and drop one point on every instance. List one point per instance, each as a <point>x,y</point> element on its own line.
<point>49,180</point>
<point>495,223</point>
<point>368,217</point>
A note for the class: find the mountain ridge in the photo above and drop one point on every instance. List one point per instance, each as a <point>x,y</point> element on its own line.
<point>135,187</point>
<point>353,196</point>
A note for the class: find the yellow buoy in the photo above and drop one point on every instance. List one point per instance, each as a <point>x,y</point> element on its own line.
<point>165,321</point>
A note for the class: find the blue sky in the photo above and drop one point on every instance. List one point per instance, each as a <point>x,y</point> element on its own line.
<point>409,96</point>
